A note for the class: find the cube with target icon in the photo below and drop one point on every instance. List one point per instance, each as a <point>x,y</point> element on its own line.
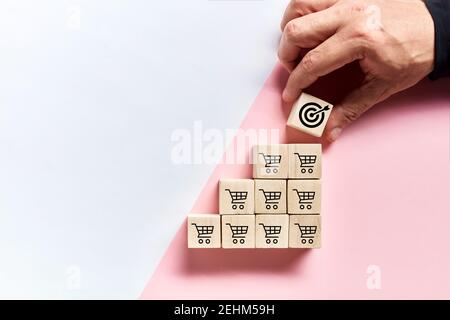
<point>309,115</point>
<point>204,230</point>
<point>305,161</point>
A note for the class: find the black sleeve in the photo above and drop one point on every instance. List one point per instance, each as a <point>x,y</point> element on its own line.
<point>440,11</point>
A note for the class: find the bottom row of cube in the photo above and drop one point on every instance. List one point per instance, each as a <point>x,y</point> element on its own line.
<point>254,231</point>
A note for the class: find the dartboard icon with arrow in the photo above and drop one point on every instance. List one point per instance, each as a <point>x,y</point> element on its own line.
<point>312,114</point>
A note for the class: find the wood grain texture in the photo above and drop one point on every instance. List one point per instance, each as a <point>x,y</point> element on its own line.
<point>305,231</point>
<point>204,230</point>
<point>270,197</point>
<point>270,161</point>
<point>238,231</point>
<point>236,196</point>
<point>305,161</point>
<point>304,196</point>
<point>272,231</point>
<point>309,115</point>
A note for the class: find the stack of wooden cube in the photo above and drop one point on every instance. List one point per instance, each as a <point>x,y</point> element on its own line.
<point>279,208</point>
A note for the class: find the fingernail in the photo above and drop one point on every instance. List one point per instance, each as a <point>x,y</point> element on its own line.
<point>335,133</point>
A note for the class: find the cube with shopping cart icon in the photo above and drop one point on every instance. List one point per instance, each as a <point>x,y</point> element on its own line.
<point>236,196</point>
<point>304,196</point>
<point>204,230</point>
<point>270,161</point>
<point>270,196</point>
<point>305,161</point>
<point>272,231</point>
<point>305,231</point>
<point>238,231</point>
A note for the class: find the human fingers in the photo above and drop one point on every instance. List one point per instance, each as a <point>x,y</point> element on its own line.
<point>307,32</point>
<point>326,58</point>
<point>354,105</point>
<point>299,8</point>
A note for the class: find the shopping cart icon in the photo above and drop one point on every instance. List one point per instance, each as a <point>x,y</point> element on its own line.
<point>305,198</point>
<point>204,233</point>
<point>307,162</point>
<point>272,198</point>
<point>238,233</point>
<point>237,198</point>
<point>307,233</point>
<point>272,162</point>
<point>272,233</point>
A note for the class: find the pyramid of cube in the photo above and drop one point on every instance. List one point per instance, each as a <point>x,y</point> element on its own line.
<point>279,208</point>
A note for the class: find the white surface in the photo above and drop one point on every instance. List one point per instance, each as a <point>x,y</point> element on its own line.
<point>90,93</point>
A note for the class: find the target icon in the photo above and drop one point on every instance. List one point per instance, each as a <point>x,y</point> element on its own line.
<point>311,114</point>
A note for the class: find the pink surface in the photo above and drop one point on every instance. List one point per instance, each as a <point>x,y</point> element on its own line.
<point>386,185</point>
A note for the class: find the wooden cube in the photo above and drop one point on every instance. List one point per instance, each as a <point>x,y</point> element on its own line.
<point>304,196</point>
<point>238,231</point>
<point>305,231</point>
<point>270,161</point>
<point>305,161</point>
<point>270,196</point>
<point>309,115</point>
<point>204,230</point>
<point>236,196</point>
<point>272,231</point>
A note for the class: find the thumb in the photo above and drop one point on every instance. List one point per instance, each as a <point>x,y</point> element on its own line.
<point>354,105</point>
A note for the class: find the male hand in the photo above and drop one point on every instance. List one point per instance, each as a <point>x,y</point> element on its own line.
<point>393,40</point>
